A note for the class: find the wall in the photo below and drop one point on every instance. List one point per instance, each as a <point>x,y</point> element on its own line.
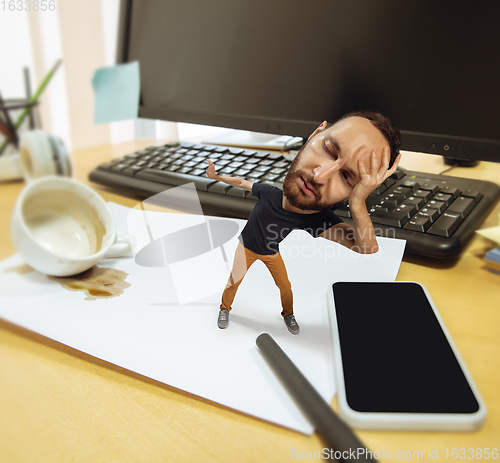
<point>83,34</point>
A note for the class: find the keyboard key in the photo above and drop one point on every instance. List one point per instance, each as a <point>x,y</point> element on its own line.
<point>219,188</point>
<point>241,173</point>
<point>227,170</point>
<point>476,195</point>
<point>379,190</point>
<point>235,164</point>
<point>254,176</point>
<point>413,184</point>
<point>190,164</point>
<point>237,192</point>
<point>119,167</point>
<point>175,179</point>
<point>418,223</point>
<point>221,163</point>
<point>409,209</point>
<point>381,207</point>
<point>399,174</point>
<point>209,148</point>
<point>431,186</point>
<point>446,224</point>
<point>389,182</point>
<point>389,204</point>
<point>404,191</point>
<point>439,205</point>
<point>371,200</point>
<point>132,170</point>
<point>447,199</point>
<point>429,213</point>
<point>426,194</point>
<point>451,190</point>
<point>398,199</point>
<point>462,206</point>
<point>414,201</point>
<point>343,210</point>
<point>281,164</point>
<point>392,219</point>
<point>197,172</point>
<point>270,177</point>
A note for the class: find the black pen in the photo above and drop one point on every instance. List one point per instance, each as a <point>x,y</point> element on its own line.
<point>338,435</point>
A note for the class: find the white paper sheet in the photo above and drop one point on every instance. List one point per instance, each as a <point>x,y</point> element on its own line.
<point>146,330</point>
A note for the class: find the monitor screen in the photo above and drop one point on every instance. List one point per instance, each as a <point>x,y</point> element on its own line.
<point>284,66</point>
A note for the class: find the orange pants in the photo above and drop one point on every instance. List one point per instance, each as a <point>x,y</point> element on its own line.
<point>243,259</point>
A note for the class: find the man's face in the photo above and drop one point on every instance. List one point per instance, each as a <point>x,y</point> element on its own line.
<point>325,171</point>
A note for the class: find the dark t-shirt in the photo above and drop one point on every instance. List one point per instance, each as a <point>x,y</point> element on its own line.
<point>269,223</point>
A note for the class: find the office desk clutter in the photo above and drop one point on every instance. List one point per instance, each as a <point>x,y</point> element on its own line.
<point>492,257</point>
<point>146,330</point>
<point>62,227</point>
<point>33,153</point>
<point>116,92</point>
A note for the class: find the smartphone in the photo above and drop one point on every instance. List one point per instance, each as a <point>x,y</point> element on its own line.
<point>395,364</point>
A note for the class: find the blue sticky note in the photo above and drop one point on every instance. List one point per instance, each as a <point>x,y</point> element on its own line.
<point>116,90</point>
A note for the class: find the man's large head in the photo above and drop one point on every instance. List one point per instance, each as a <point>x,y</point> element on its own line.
<point>326,169</point>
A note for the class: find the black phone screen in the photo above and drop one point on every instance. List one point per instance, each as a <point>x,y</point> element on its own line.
<point>395,355</point>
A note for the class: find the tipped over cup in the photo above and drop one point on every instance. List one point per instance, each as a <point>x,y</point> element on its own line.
<point>61,227</point>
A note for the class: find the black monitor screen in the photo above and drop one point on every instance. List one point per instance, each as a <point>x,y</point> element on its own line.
<point>284,66</point>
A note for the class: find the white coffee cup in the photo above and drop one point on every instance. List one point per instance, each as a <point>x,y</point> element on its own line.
<point>62,227</point>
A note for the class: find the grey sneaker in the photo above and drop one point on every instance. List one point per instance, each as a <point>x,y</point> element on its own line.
<point>223,319</point>
<point>292,324</point>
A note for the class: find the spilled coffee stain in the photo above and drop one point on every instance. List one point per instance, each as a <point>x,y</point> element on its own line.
<point>20,269</point>
<point>96,283</point>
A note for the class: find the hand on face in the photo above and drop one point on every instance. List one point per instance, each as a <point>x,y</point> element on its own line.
<point>373,171</point>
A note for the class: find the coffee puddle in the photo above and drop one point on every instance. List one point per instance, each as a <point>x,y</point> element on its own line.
<point>19,269</point>
<point>96,283</point>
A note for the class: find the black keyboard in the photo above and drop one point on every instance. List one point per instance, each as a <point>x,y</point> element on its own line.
<point>435,214</point>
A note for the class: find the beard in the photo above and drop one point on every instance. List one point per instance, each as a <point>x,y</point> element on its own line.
<point>294,194</point>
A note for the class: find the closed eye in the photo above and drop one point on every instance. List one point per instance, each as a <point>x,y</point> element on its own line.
<point>346,178</point>
<point>331,152</point>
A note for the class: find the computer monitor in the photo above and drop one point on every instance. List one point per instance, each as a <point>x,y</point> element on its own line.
<point>284,66</point>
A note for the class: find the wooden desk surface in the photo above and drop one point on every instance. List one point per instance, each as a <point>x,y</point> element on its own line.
<point>59,405</point>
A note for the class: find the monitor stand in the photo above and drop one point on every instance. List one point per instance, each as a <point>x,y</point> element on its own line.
<point>255,140</point>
